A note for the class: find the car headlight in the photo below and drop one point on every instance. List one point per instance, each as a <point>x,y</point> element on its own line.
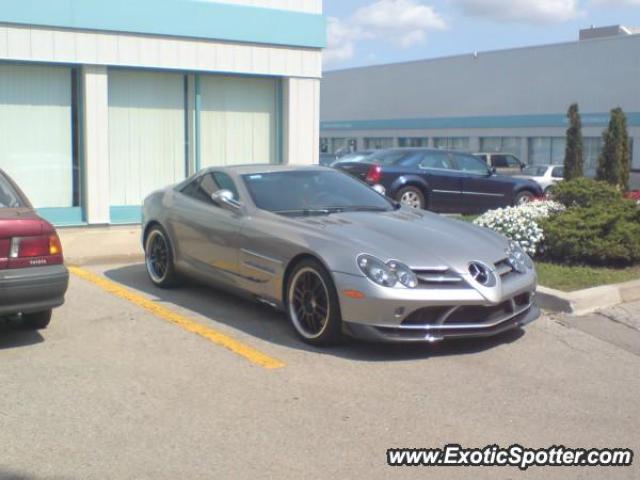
<point>388,274</point>
<point>519,255</point>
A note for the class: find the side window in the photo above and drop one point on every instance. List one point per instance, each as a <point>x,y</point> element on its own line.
<point>436,160</point>
<point>204,186</point>
<point>389,158</point>
<point>208,185</point>
<point>484,158</point>
<point>470,164</point>
<point>225,182</point>
<point>193,190</point>
<point>499,161</point>
<point>412,160</point>
<point>558,172</point>
<point>513,162</point>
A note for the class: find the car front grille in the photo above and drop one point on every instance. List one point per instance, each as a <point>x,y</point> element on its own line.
<point>450,317</point>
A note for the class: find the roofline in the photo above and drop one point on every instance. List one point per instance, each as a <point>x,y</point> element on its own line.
<point>635,36</point>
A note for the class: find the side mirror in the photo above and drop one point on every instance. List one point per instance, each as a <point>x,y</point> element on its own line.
<point>225,198</point>
<point>492,171</point>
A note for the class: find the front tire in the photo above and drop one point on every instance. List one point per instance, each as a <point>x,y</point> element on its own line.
<point>158,258</point>
<point>411,197</point>
<point>312,304</point>
<point>36,321</point>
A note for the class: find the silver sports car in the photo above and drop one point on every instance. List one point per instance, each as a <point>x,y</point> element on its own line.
<point>337,256</point>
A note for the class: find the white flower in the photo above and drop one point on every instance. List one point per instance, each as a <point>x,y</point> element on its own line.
<point>520,223</point>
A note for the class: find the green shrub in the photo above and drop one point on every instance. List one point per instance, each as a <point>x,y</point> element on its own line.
<point>585,192</point>
<point>573,156</point>
<point>603,234</point>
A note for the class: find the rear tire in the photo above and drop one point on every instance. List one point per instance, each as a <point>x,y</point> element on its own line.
<point>158,258</point>
<point>523,198</point>
<point>313,305</point>
<point>411,197</point>
<point>548,193</point>
<point>37,320</point>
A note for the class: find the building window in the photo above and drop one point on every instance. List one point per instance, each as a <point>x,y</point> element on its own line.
<point>591,149</point>
<point>37,112</point>
<point>413,142</point>
<point>238,120</point>
<point>146,133</point>
<point>378,143</point>
<point>452,143</point>
<point>510,145</point>
<point>341,146</point>
<point>546,150</point>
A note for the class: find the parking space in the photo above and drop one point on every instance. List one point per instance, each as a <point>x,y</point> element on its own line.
<point>113,390</point>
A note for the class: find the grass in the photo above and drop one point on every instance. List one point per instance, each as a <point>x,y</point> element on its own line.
<point>570,278</point>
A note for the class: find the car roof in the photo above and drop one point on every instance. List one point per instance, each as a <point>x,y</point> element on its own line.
<point>250,169</point>
<point>418,149</point>
<point>494,153</point>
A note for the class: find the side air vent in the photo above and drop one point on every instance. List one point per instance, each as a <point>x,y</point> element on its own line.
<point>441,277</point>
<point>503,267</point>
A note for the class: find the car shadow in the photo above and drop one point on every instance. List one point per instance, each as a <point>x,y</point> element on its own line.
<point>264,322</point>
<point>6,474</point>
<point>12,335</point>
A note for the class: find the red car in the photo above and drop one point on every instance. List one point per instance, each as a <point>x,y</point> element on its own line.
<point>33,278</point>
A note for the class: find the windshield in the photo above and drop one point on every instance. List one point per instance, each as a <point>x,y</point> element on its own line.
<point>312,192</point>
<point>9,198</point>
<point>534,171</point>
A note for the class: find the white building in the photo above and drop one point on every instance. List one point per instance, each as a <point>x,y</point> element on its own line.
<point>102,102</point>
<point>510,100</point>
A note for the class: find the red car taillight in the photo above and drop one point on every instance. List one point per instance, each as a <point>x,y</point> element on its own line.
<point>35,251</point>
<point>374,174</point>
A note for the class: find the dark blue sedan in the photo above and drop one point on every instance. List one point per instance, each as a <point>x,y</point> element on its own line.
<point>441,180</point>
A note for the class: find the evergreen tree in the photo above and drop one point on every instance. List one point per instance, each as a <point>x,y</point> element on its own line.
<point>573,159</point>
<point>614,161</point>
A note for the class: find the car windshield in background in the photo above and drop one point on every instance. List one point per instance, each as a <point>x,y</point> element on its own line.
<point>312,192</point>
<point>9,198</point>
<point>534,171</point>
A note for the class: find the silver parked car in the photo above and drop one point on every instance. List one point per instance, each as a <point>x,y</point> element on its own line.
<point>337,256</point>
<point>544,175</point>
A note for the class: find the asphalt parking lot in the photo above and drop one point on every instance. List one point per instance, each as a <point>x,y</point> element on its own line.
<point>112,390</point>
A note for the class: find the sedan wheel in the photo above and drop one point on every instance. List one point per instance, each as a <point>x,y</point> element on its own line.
<point>411,197</point>
<point>159,259</point>
<point>313,304</point>
<point>523,198</point>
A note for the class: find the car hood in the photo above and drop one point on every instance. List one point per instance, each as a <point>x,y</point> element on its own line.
<point>418,239</point>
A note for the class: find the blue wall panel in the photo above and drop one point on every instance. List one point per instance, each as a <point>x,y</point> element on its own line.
<point>182,18</point>
<point>505,121</point>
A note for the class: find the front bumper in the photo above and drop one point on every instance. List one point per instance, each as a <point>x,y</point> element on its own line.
<point>34,289</point>
<point>434,314</point>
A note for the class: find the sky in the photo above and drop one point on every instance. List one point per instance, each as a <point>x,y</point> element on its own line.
<point>368,32</point>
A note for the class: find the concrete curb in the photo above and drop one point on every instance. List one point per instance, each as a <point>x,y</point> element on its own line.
<point>589,300</point>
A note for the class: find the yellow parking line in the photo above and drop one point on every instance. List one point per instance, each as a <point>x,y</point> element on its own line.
<point>239,348</point>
